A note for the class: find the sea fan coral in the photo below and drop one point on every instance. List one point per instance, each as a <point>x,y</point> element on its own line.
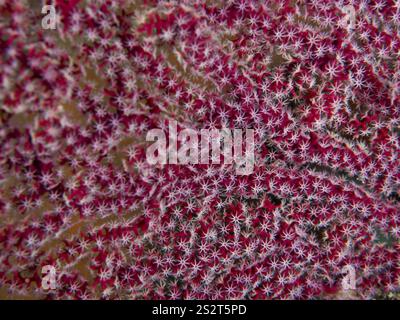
<point>318,81</point>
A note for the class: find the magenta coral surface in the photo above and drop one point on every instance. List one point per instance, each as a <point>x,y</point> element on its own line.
<point>321,91</point>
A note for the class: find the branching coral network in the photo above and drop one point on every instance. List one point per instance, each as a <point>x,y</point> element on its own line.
<point>319,85</point>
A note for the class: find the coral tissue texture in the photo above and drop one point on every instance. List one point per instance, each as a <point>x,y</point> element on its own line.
<point>319,84</point>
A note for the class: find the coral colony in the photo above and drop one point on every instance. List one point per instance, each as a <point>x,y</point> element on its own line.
<point>85,215</point>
